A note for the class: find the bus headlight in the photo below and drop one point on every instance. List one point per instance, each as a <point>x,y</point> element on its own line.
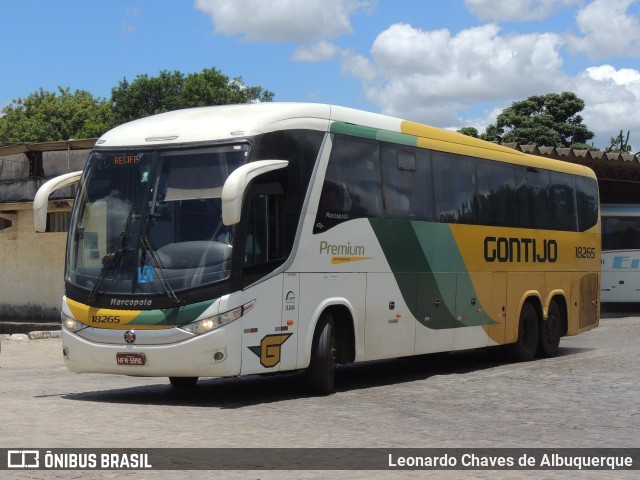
<point>211,323</point>
<point>72,324</point>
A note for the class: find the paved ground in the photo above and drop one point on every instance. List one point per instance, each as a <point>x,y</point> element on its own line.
<point>589,396</point>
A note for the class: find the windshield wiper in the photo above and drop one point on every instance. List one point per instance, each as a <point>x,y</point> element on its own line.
<point>158,268</point>
<point>112,257</point>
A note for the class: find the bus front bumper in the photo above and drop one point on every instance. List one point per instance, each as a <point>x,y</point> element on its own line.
<point>214,354</point>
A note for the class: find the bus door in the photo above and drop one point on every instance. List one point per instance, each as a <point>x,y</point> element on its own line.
<point>266,344</point>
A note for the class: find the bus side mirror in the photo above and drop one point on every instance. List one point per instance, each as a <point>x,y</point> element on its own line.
<point>236,184</point>
<point>41,200</point>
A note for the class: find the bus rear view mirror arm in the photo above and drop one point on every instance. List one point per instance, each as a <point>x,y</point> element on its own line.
<point>41,200</point>
<point>236,184</point>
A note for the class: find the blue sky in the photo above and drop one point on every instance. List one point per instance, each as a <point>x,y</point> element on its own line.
<point>445,63</point>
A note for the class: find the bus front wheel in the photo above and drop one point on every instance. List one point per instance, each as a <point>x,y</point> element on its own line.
<point>322,368</point>
<point>550,332</point>
<point>525,347</point>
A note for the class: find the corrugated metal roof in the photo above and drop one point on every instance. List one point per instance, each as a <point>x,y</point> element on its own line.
<point>618,173</point>
<point>607,165</point>
<point>577,156</point>
<point>47,146</point>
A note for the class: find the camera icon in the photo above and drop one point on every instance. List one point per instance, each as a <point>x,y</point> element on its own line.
<point>23,459</point>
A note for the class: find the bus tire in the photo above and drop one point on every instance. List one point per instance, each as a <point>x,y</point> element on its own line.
<point>550,332</point>
<point>183,382</point>
<point>322,367</point>
<point>527,344</point>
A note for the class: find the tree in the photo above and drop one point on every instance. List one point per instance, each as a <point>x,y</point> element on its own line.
<point>619,144</point>
<point>469,131</point>
<point>550,120</point>
<point>49,116</point>
<point>172,90</point>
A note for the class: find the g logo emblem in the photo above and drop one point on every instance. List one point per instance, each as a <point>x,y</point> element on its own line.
<point>270,349</point>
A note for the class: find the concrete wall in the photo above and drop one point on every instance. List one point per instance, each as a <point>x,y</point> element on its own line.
<point>32,265</point>
<point>31,268</point>
<point>57,163</point>
<point>17,186</point>
<point>14,166</point>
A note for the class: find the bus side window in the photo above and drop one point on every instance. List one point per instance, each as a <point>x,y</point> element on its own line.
<point>562,201</point>
<point>352,184</point>
<point>620,233</point>
<point>264,248</point>
<point>454,181</point>
<point>496,193</point>
<point>402,196</point>
<point>587,202</point>
<point>538,197</point>
<point>263,234</point>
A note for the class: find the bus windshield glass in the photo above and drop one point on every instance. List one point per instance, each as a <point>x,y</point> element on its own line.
<point>151,222</point>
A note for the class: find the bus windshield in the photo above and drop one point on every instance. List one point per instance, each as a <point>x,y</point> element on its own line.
<point>151,222</point>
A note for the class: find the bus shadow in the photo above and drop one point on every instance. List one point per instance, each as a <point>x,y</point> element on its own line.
<point>619,310</point>
<point>255,389</point>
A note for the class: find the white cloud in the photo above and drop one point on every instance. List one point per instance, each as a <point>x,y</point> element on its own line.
<point>317,52</point>
<point>454,79</point>
<point>126,26</point>
<point>612,98</point>
<point>515,10</point>
<point>607,30</point>
<point>358,66</point>
<point>431,76</point>
<point>283,20</point>
<point>607,73</point>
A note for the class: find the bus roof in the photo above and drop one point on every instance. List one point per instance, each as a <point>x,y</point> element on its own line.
<point>620,210</point>
<point>226,122</point>
<point>216,123</point>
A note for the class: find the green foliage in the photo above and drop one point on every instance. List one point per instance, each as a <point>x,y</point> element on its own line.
<point>469,131</point>
<point>172,90</point>
<point>49,116</point>
<point>550,120</point>
<point>619,144</point>
<point>491,134</point>
<point>584,146</point>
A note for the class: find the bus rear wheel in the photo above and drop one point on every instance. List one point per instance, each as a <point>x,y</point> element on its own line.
<point>527,344</point>
<point>550,332</point>
<point>322,368</point>
<point>183,382</point>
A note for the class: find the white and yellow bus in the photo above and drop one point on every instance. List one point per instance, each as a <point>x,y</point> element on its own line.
<point>263,238</point>
<point>620,253</point>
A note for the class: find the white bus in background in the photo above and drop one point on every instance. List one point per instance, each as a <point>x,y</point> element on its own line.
<point>620,253</point>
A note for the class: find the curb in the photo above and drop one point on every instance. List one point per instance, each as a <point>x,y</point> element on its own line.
<point>35,335</point>
<point>42,334</point>
<point>11,327</point>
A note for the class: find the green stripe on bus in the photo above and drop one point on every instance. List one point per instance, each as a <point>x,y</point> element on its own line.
<point>172,316</point>
<point>373,134</point>
<point>427,265</point>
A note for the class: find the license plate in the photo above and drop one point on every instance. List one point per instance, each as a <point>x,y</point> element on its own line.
<point>130,358</point>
